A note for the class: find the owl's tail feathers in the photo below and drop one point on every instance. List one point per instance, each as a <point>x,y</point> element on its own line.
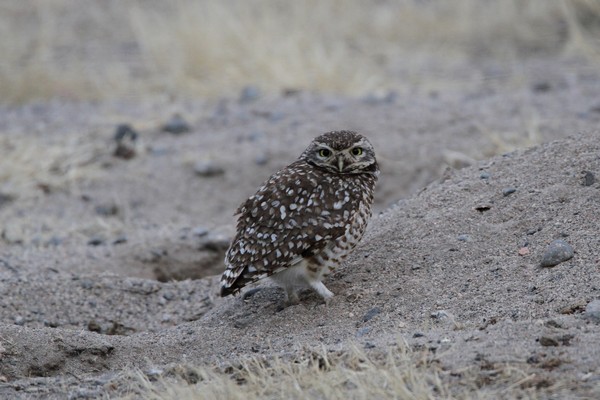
<point>227,290</point>
<point>234,279</point>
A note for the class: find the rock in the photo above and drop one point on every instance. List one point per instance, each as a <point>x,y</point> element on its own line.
<point>125,131</point>
<point>19,320</point>
<point>208,169</point>
<point>176,125</point>
<point>508,191</point>
<point>484,175</point>
<point>371,313</point>
<point>558,251</point>
<point>548,341</point>
<point>592,311</point>
<point>588,178</point>
<point>249,93</point>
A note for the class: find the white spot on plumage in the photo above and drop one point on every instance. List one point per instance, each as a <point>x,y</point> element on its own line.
<point>282,211</point>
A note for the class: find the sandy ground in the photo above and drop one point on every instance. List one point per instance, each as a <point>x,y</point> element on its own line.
<point>101,257</point>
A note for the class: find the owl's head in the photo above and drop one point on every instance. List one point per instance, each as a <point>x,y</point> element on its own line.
<point>342,152</point>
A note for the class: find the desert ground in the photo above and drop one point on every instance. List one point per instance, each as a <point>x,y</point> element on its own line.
<point>111,243</point>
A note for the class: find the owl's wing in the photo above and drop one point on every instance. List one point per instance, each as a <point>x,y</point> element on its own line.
<point>283,223</point>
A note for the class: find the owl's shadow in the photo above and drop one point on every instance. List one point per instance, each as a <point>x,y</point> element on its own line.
<point>273,296</point>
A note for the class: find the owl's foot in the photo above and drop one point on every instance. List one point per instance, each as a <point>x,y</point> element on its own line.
<point>291,297</point>
<point>320,288</point>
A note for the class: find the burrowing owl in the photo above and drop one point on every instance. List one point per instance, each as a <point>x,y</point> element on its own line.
<point>306,218</point>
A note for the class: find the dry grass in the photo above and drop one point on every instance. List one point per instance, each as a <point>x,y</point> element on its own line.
<point>88,50</point>
<point>30,166</point>
<point>398,373</point>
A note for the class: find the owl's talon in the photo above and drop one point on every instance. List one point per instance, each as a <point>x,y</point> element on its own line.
<point>291,298</point>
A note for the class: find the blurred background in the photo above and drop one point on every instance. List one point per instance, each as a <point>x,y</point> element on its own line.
<point>93,50</point>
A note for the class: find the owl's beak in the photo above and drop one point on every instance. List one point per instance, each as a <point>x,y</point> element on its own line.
<point>341,163</point>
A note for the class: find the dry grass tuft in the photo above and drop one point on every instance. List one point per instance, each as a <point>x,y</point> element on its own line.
<point>398,373</point>
<point>201,48</point>
<point>30,166</point>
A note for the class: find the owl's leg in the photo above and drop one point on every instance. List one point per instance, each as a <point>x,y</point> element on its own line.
<point>320,288</point>
<point>291,296</point>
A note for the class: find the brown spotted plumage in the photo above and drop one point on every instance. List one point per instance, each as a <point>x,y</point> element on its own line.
<point>305,219</point>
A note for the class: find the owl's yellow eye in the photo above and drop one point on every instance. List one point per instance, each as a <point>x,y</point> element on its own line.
<point>357,151</point>
<point>324,152</point>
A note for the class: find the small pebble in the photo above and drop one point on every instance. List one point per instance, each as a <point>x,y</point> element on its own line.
<point>588,178</point>
<point>541,87</point>
<point>94,326</point>
<point>5,198</point>
<point>256,136</point>
<point>363,331</point>
<point>249,94</point>
<point>208,169</point>
<point>87,284</point>
<point>19,320</point>
<point>592,311</point>
<point>95,242</point>
<point>215,242</point>
<point>54,241</point>
<point>120,240</point>
<point>200,231</point>
<point>484,175</point>
<point>508,191</point>
<point>523,251</point>
<point>557,252</point>
<point>243,322</point>
<point>107,210</point>
<point>176,125</point>
<point>441,315</point>
<point>371,313</point>
<point>168,295</point>
<point>464,238</point>
<point>261,159</point>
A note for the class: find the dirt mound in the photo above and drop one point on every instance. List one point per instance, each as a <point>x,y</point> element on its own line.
<point>445,270</point>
